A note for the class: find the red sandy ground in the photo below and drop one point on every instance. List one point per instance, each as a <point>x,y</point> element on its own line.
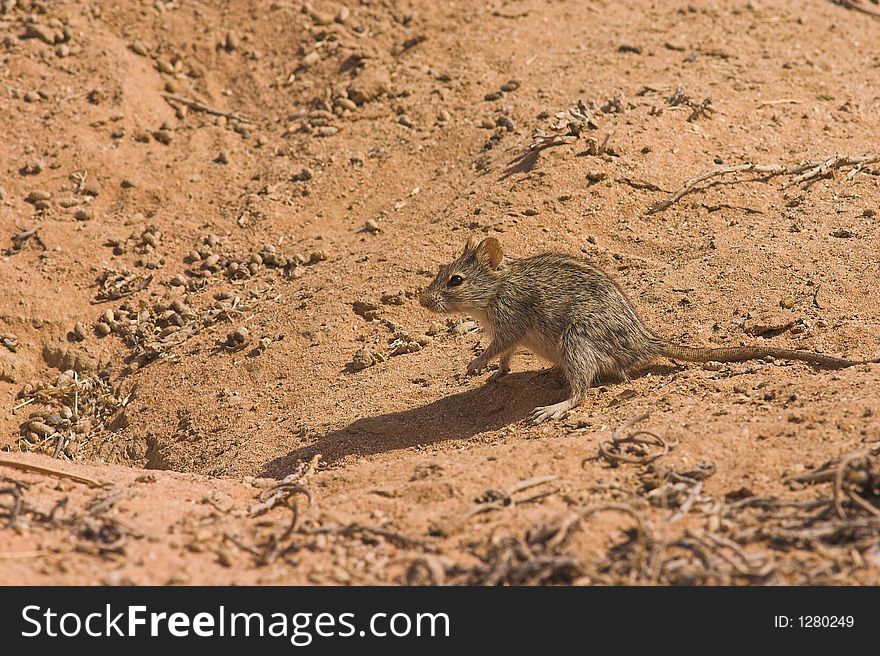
<point>409,444</point>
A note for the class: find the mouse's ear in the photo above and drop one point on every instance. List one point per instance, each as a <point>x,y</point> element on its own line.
<point>489,252</point>
<point>471,245</point>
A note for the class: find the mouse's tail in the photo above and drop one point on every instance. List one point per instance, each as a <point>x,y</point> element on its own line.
<point>743,353</point>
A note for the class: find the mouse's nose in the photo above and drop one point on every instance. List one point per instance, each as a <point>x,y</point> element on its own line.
<point>426,301</point>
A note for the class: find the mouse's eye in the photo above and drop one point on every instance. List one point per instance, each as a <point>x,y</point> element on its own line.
<point>455,281</point>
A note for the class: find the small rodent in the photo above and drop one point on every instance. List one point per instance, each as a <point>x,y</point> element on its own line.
<point>569,312</point>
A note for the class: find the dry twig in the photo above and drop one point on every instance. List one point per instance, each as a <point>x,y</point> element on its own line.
<point>804,172</point>
<point>202,107</point>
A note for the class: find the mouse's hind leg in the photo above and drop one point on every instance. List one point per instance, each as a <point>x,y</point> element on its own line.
<point>580,369</point>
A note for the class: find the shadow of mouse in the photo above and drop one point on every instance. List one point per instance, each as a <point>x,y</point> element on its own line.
<point>454,417</point>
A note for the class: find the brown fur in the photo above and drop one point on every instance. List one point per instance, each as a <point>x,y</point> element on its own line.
<point>568,312</point>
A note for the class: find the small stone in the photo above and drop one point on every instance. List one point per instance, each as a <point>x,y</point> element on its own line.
<point>179,280</point>
<point>626,47</point>
<point>62,50</point>
<point>32,97</point>
<point>304,175</point>
<point>345,103</point>
<point>83,214</point>
<point>317,256</point>
<point>311,59</point>
<point>464,328</point>
<point>232,41</point>
<point>38,195</point>
<point>504,122</point>
<point>787,302</point>
<point>322,17</point>
<point>102,329</point>
<point>530,211</point>
<point>211,261</point>
<point>373,81</point>
<point>33,167</point>
<point>362,359</point>
<point>487,124</point>
<point>393,298</point>
<point>79,331</point>
<point>165,66</point>
<point>41,32</point>
<point>139,48</point>
<point>443,116</point>
<point>370,225</point>
<point>495,95</point>
<point>222,157</point>
<point>510,85</point>
<point>163,136</point>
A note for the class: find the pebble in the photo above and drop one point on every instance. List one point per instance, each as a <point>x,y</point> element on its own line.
<point>304,175</point>
<point>165,66</point>
<point>787,302</point>
<point>163,136</point>
<point>393,298</point>
<point>33,167</point>
<point>510,85</point>
<point>311,59</point>
<point>32,96</point>
<point>139,48</point>
<point>495,95</point>
<point>222,157</point>
<point>487,124</point>
<point>41,32</point>
<point>62,50</point>
<point>232,41</point>
<point>464,327</point>
<point>317,256</point>
<point>102,329</point>
<point>83,214</point>
<point>370,225</point>
<point>211,261</point>
<point>37,195</point>
<point>345,103</point>
<point>322,17</point>
<point>362,359</point>
<point>371,82</point>
<point>79,330</point>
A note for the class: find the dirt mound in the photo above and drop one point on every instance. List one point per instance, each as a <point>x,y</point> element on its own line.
<point>215,220</point>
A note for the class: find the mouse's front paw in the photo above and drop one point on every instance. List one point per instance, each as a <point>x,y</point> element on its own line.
<point>476,366</point>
